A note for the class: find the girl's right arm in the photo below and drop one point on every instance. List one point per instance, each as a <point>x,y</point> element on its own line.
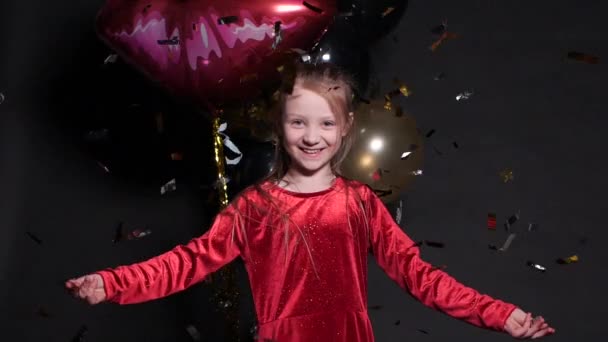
<point>177,269</point>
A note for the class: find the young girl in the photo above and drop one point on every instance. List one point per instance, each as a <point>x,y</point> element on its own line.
<point>304,234</point>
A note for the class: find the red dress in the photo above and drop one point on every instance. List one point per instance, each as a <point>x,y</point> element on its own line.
<point>306,257</point>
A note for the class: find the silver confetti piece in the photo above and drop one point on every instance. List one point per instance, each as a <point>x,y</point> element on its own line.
<point>170,186</point>
<point>464,95</point>
<point>111,59</point>
<point>193,332</point>
<point>532,227</point>
<point>507,243</point>
<point>399,212</point>
<point>416,173</point>
<point>537,266</point>
<point>405,155</point>
<point>1,98</point>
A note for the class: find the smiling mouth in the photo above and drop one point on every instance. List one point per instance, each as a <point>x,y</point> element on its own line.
<point>312,151</point>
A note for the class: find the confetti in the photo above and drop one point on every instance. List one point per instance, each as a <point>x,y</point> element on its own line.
<point>423,331</point>
<point>377,175</point>
<point>193,332</point>
<point>375,307</point>
<point>399,212</point>
<point>405,155</point>
<point>397,322</point>
<point>1,98</point>
<point>312,8</point>
<point>160,122</point>
<point>105,168</point>
<point>42,312</point>
<point>119,232</point>
<point>34,238</point>
<point>401,89</point>
<point>536,266</point>
<point>138,234</point>
<point>507,243</point>
<point>99,135</point>
<point>455,144</point>
<point>172,41</point>
<point>464,95</point>
<point>506,175</point>
<point>434,244</point>
<point>532,227</point>
<point>444,37</point>
<point>168,187</point>
<point>511,221</point>
<point>491,221</point>
<point>80,335</point>
<point>440,29</point>
<point>111,59</point>
<point>430,133</point>
<point>387,11</point>
<point>416,173</point>
<point>568,260</point>
<point>229,19</point>
<point>382,193</point>
<point>278,37</point>
<point>439,76</point>
<point>583,57</point>
<point>176,156</point>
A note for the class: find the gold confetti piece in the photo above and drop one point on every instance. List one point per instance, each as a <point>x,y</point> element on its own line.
<point>404,90</point>
<point>249,77</point>
<point>506,175</point>
<point>387,11</point>
<point>160,122</point>
<point>444,37</point>
<point>568,260</point>
<point>583,57</point>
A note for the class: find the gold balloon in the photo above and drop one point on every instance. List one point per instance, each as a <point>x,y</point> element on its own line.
<point>388,150</point>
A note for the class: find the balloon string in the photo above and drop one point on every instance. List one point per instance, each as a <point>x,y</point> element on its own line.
<point>218,147</point>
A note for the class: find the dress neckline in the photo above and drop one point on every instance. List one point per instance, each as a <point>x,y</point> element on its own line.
<point>338,180</point>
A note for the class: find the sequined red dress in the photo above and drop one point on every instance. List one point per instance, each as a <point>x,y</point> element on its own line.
<point>307,264</point>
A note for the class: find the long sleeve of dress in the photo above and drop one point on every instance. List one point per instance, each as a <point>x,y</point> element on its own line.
<point>179,268</point>
<point>399,257</point>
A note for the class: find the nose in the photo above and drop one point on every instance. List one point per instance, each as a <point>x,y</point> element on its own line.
<point>311,136</point>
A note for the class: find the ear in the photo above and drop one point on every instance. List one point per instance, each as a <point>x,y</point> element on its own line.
<point>349,123</point>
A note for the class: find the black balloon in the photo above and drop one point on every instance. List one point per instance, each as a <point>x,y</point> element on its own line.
<point>255,165</point>
<point>342,45</point>
<point>377,18</point>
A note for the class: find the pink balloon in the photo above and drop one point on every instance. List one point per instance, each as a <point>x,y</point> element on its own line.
<point>213,52</point>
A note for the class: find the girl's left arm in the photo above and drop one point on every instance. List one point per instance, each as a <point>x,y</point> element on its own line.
<point>399,257</point>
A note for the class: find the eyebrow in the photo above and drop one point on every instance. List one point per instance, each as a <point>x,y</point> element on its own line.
<point>328,117</point>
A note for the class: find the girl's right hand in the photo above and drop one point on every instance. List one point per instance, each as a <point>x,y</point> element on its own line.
<point>89,287</point>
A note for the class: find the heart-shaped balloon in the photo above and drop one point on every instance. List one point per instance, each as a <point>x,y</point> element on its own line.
<point>213,52</point>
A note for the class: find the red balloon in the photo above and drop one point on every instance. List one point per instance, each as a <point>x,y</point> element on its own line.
<point>213,52</point>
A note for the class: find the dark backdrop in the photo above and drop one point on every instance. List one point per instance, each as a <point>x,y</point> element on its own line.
<point>532,111</point>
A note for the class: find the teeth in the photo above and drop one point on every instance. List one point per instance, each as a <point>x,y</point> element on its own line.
<point>311,151</point>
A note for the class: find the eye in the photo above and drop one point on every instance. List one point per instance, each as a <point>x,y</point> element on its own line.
<point>329,123</point>
<point>297,122</point>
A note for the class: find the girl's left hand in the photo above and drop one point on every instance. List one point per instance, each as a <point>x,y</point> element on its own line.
<point>522,325</point>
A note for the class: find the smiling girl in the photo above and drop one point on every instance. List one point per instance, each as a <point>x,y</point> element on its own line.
<point>304,233</point>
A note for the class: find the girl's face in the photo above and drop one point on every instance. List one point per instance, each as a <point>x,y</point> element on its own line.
<point>311,131</point>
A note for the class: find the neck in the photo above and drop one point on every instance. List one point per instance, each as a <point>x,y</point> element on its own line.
<point>318,181</point>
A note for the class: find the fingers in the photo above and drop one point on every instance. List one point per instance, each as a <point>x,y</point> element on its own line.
<point>543,332</point>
